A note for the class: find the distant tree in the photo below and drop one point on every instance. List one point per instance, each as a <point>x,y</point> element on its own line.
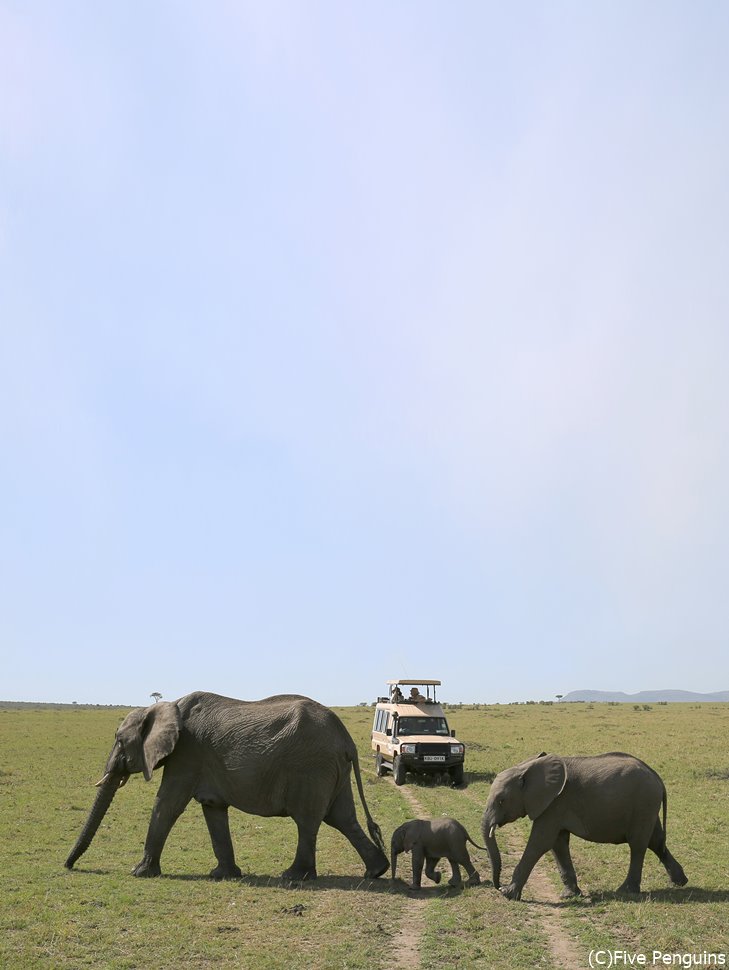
<point>559,696</point>
<point>157,696</point>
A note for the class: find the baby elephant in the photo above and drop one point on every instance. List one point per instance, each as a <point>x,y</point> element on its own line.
<point>431,840</point>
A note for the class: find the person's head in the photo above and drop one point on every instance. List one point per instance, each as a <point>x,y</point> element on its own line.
<point>413,691</point>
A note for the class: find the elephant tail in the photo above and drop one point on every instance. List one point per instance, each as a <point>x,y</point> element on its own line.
<point>665,810</point>
<point>372,827</point>
<point>482,847</point>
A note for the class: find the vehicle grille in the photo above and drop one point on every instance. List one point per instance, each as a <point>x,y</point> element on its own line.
<point>434,749</point>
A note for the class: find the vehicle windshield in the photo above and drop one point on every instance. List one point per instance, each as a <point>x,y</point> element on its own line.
<point>422,725</point>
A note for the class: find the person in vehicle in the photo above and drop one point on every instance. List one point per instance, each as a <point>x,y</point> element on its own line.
<point>415,696</point>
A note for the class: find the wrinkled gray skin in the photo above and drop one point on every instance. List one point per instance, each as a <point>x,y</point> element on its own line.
<point>284,756</point>
<point>429,841</point>
<point>613,798</point>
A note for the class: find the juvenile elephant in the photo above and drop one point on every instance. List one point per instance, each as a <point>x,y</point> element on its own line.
<point>283,756</point>
<point>613,798</point>
<point>430,841</point>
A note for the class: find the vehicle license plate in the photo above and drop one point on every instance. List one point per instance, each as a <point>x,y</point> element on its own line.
<point>434,757</point>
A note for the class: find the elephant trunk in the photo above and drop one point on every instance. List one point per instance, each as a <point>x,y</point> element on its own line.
<point>108,787</point>
<point>492,848</point>
<point>393,862</point>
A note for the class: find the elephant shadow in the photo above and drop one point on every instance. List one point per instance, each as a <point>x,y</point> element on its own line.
<point>255,880</point>
<point>402,888</point>
<point>676,896</point>
<point>259,881</point>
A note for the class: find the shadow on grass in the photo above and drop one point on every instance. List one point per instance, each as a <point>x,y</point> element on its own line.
<point>675,896</point>
<point>678,896</point>
<point>253,880</point>
<point>443,781</point>
<point>383,885</point>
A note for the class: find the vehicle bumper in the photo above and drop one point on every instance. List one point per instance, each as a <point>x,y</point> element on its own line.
<point>414,762</point>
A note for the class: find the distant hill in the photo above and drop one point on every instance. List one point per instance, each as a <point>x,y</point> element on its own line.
<point>646,696</point>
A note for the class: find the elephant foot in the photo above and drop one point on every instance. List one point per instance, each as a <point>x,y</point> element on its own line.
<point>434,876</point>
<point>570,892</point>
<point>679,878</point>
<point>511,891</point>
<point>473,880</point>
<point>379,871</point>
<point>225,872</point>
<point>147,868</point>
<point>455,883</point>
<point>295,874</point>
<point>629,887</point>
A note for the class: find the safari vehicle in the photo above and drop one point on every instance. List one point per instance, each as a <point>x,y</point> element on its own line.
<point>410,733</point>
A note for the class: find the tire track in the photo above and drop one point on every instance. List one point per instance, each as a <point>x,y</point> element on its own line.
<point>547,906</point>
<point>549,910</point>
<point>406,942</point>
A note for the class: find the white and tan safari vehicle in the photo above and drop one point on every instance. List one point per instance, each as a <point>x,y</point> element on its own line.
<point>410,733</point>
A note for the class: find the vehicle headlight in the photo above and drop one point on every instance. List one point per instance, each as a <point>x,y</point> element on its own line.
<point>407,749</point>
<point>456,749</point>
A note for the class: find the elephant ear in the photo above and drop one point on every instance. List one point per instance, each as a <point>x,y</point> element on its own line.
<point>409,839</point>
<point>543,781</point>
<point>161,731</point>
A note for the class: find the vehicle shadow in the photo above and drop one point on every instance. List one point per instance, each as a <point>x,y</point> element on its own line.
<point>439,780</point>
<point>481,776</point>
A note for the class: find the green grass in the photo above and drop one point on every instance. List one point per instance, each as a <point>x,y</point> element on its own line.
<point>99,915</point>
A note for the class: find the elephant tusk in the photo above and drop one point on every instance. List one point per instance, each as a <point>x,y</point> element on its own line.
<point>491,831</point>
<point>107,776</point>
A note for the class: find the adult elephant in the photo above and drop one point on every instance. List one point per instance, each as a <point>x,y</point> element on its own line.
<point>613,798</point>
<point>283,756</point>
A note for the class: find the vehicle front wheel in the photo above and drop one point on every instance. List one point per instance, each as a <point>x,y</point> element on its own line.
<point>379,765</point>
<point>398,770</point>
<point>456,773</point>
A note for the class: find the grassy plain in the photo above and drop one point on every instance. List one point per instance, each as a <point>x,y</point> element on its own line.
<point>100,916</point>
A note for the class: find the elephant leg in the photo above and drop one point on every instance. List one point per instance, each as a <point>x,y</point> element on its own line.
<point>473,877</point>
<point>216,817</point>
<point>304,864</point>
<point>658,845</point>
<point>538,843</point>
<point>343,817</point>
<point>455,881</point>
<point>171,801</point>
<point>561,853</point>
<point>635,870</point>
<point>430,871</point>
<point>418,860</point>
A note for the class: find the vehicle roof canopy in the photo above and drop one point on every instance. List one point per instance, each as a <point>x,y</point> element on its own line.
<point>420,682</point>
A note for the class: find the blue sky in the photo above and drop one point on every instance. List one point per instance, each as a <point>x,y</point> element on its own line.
<point>340,342</point>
